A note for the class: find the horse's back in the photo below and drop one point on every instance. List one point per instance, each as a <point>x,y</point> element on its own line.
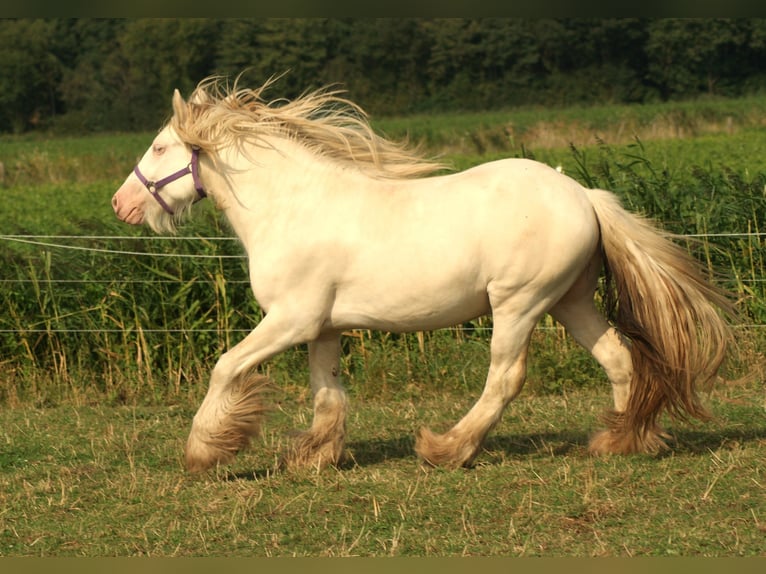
<point>507,227</point>
<point>539,228</point>
<point>521,213</point>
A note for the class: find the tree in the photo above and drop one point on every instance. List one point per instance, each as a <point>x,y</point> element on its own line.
<point>155,57</point>
<point>586,60</point>
<point>384,62</point>
<point>294,49</point>
<point>689,56</point>
<point>29,74</point>
<point>87,89</point>
<point>94,74</point>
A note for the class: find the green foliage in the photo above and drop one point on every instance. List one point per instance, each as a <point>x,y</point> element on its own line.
<point>691,56</point>
<point>719,204</point>
<point>125,321</point>
<point>29,72</point>
<point>105,74</point>
<point>265,48</point>
<point>92,465</point>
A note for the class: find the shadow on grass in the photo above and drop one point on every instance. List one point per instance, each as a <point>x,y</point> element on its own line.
<point>371,452</point>
<point>560,443</point>
<point>526,444</point>
<point>700,441</point>
<point>377,451</point>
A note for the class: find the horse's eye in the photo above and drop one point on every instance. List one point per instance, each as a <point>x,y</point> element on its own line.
<point>158,149</point>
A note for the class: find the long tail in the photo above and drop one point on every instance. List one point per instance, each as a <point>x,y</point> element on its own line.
<point>678,324</point>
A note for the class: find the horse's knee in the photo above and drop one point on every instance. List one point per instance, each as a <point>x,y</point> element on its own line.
<point>329,403</point>
<point>513,381</point>
<point>504,384</point>
<point>224,370</point>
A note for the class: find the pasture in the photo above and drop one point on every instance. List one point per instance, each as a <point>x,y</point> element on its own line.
<point>109,333</point>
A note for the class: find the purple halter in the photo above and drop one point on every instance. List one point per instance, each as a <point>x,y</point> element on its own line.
<point>155,186</point>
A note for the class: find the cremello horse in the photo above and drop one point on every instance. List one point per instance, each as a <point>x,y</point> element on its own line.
<point>343,230</point>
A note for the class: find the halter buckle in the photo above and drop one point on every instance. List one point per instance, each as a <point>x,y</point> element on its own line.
<point>154,186</point>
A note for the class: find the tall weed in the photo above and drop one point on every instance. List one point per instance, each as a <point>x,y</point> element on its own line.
<point>117,318</point>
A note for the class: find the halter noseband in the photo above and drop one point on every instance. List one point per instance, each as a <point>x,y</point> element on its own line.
<point>155,186</point>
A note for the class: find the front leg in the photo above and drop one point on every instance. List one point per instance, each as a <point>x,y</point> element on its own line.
<point>233,406</point>
<point>323,443</point>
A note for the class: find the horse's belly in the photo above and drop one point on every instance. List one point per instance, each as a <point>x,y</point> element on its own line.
<point>402,310</point>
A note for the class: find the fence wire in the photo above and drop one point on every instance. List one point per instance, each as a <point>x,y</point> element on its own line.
<point>54,242</point>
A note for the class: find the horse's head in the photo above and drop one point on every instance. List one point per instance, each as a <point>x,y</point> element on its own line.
<point>157,191</point>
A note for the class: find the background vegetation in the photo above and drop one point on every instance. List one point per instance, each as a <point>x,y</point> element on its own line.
<point>99,311</point>
<point>113,74</point>
<point>105,356</point>
<point>108,481</point>
<point>108,333</point>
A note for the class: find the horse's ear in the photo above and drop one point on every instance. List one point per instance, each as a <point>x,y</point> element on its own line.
<point>199,97</point>
<point>180,107</point>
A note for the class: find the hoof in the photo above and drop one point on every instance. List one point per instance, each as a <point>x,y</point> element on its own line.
<point>232,428</point>
<point>445,450</point>
<point>310,450</point>
<point>200,456</point>
<point>628,441</point>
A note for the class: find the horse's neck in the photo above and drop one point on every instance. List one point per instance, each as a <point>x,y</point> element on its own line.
<point>259,187</point>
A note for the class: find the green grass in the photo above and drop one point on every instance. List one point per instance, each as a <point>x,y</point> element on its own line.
<point>42,158</point>
<point>108,481</point>
<point>112,329</point>
<point>536,128</point>
<point>93,421</point>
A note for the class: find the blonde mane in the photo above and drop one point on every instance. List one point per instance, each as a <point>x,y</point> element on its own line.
<point>322,121</point>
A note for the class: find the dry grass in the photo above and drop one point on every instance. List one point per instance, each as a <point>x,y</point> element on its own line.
<point>92,430</point>
<point>109,482</point>
<point>539,129</point>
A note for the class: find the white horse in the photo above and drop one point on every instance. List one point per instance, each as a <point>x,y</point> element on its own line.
<point>343,231</point>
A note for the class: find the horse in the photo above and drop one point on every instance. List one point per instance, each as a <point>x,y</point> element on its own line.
<point>346,229</point>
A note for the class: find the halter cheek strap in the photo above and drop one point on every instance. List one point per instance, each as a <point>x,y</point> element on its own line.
<point>155,186</point>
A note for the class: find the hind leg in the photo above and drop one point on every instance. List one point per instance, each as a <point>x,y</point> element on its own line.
<point>608,347</point>
<point>460,445</point>
<point>577,312</point>
<point>323,443</point>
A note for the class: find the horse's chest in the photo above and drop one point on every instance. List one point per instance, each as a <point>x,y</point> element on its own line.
<point>294,278</point>
<point>266,287</point>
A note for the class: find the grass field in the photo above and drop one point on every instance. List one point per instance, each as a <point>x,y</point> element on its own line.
<point>100,481</point>
<point>104,358</point>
